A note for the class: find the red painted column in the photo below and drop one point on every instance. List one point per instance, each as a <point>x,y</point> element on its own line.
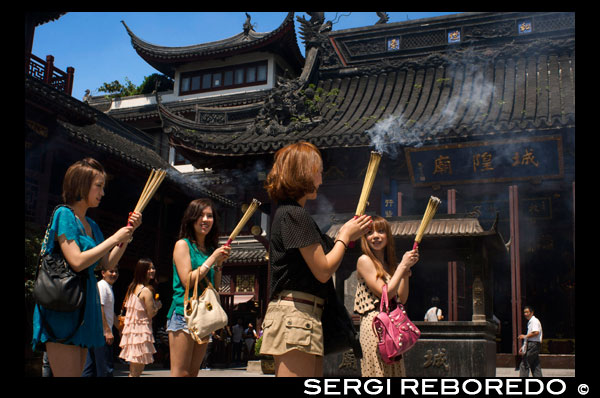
<point>69,82</point>
<point>515,266</point>
<point>49,69</point>
<point>399,204</point>
<point>452,284</point>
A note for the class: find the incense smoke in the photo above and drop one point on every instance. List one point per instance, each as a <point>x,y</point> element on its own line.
<point>323,212</point>
<point>467,102</point>
<point>390,134</point>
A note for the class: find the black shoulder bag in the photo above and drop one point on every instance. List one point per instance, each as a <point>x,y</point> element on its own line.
<point>339,333</point>
<point>57,287</point>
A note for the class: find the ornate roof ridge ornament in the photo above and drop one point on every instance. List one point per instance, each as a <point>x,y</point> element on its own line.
<point>247,25</point>
<point>383,18</point>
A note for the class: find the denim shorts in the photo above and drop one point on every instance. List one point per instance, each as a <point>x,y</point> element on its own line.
<point>177,323</point>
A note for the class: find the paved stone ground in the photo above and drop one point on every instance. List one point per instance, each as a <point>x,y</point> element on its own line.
<point>154,371</point>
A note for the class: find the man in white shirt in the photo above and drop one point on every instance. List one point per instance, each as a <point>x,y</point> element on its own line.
<point>99,362</point>
<point>532,342</point>
<point>434,314</point>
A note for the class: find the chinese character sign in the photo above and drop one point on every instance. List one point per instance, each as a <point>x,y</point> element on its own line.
<point>490,161</point>
<point>389,201</point>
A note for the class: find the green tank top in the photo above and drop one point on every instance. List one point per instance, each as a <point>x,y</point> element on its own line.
<point>198,258</point>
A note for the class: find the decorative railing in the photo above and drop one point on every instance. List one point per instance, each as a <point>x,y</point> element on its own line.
<point>46,72</point>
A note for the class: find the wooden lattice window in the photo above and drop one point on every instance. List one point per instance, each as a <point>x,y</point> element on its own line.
<point>244,283</point>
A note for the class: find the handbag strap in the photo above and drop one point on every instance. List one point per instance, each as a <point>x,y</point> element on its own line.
<point>383,303</point>
<point>46,236</point>
<point>79,322</point>
<point>187,288</point>
<point>195,292</point>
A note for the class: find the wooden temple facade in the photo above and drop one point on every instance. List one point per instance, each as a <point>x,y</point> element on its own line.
<point>477,109</point>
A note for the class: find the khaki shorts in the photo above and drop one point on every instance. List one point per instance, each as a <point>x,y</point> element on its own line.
<point>290,325</point>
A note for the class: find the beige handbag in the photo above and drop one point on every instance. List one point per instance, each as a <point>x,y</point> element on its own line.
<point>203,314</point>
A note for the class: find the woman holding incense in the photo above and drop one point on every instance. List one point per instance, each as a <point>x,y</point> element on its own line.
<point>302,263</point>
<point>377,267</point>
<point>84,247</point>
<point>196,252</point>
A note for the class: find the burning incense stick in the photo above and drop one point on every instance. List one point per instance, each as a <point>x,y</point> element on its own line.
<point>249,211</point>
<point>368,183</point>
<point>429,213</point>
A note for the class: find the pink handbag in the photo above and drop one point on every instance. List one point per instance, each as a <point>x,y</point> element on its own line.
<point>397,334</point>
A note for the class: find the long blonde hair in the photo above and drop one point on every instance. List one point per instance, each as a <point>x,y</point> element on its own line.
<point>389,255</point>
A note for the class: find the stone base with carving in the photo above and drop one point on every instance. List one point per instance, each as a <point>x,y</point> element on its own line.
<point>341,365</point>
<point>453,349</point>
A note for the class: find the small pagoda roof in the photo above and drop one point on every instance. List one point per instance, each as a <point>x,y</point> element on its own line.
<point>167,59</point>
<point>447,232</point>
<point>440,225</point>
<point>245,249</point>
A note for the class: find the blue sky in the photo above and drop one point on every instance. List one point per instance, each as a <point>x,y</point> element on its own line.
<point>97,45</point>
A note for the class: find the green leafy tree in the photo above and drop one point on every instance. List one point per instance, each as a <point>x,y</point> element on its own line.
<point>155,81</point>
<point>117,90</point>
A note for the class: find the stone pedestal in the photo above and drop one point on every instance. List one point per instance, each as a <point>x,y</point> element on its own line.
<point>453,349</point>
<point>341,365</point>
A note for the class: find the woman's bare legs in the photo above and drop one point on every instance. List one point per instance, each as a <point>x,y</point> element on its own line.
<point>186,355</point>
<point>66,360</point>
<point>298,364</point>
<point>136,369</point>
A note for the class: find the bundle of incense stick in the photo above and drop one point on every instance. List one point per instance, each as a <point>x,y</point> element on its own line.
<point>432,207</point>
<point>368,183</point>
<point>154,181</point>
<point>249,211</point>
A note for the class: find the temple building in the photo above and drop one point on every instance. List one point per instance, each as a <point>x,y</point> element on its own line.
<point>477,109</point>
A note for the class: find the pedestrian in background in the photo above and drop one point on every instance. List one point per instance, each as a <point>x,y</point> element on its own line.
<point>137,340</point>
<point>237,333</point>
<point>532,342</point>
<point>302,260</point>
<point>197,252</point>
<point>99,362</point>
<point>250,339</point>
<point>84,247</point>
<point>375,268</point>
<point>434,313</point>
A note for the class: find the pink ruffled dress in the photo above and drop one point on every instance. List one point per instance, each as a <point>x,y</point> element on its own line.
<point>137,341</point>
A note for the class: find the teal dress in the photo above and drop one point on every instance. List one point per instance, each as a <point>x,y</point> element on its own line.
<point>63,323</point>
<point>198,258</point>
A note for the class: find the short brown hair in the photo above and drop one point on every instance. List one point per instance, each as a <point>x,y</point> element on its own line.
<point>79,178</point>
<point>293,170</point>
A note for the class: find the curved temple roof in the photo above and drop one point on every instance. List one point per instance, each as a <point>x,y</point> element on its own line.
<point>506,97</point>
<point>167,59</point>
<point>497,84</point>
